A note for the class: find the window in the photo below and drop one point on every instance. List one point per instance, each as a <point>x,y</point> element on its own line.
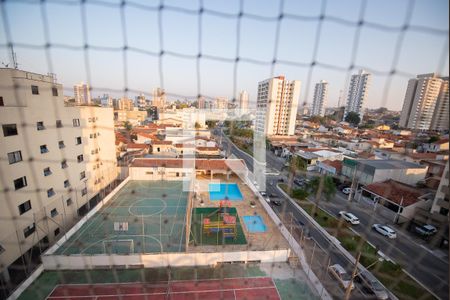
<point>14,157</point>
<point>61,144</point>
<point>80,158</point>
<point>76,122</point>
<point>50,192</point>
<point>24,207</point>
<point>35,90</point>
<point>20,182</point>
<point>47,171</point>
<point>9,129</point>
<point>64,164</point>
<point>82,175</point>
<point>57,231</point>
<point>78,140</point>
<point>2,249</point>
<point>40,126</point>
<point>69,202</point>
<point>66,183</point>
<point>54,91</point>
<point>44,149</point>
<point>29,230</point>
<point>53,212</point>
<point>83,191</point>
<point>1,102</point>
<point>59,124</point>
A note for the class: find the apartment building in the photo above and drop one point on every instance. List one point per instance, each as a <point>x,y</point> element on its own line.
<point>82,94</point>
<point>221,103</point>
<point>426,103</point>
<point>159,98</point>
<point>141,102</point>
<point>358,91</point>
<point>55,163</point>
<point>243,100</point>
<point>441,201</point>
<point>320,98</point>
<point>276,106</point>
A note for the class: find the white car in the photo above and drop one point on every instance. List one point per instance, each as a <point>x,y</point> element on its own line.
<point>385,230</point>
<point>349,217</point>
<point>347,190</point>
<point>341,275</point>
<point>263,194</point>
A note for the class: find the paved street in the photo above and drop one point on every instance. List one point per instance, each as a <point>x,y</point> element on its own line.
<point>428,269</point>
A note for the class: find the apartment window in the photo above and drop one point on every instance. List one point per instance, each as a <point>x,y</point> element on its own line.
<point>2,249</point>
<point>57,231</point>
<point>54,91</point>
<point>61,144</point>
<point>1,102</point>
<point>20,183</point>
<point>53,212</point>
<point>29,230</point>
<point>443,211</point>
<point>44,149</point>
<point>69,202</point>
<point>78,140</point>
<point>50,192</point>
<point>64,164</point>
<point>40,126</point>
<point>24,207</point>
<point>14,157</point>
<point>66,183</point>
<point>59,124</point>
<point>76,122</point>
<point>82,175</point>
<point>9,129</point>
<point>47,171</point>
<point>35,90</point>
<point>80,158</point>
<point>83,191</point>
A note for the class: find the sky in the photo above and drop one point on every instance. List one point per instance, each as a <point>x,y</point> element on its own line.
<point>125,43</point>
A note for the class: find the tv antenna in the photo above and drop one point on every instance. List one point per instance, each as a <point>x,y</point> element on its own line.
<point>15,65</point>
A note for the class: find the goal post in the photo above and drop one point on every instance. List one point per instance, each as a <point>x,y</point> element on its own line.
<point>118,246</point>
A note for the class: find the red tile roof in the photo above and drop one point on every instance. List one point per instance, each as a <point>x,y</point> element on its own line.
<point>137,146</point>
<point>334,163</point>
<point>200,164</point>
<point>396,192</point>
<point>158,142</point>
<point>440,142</point>
<point>422,155</point>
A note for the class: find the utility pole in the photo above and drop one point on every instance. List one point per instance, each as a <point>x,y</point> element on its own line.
<point>350,285</point>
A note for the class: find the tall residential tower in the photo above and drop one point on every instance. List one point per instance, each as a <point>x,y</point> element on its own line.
<point>277,106</point>
<point>243,100</point>
<point>357,93</point>
<point>82,94</point>
<point>320,98</point>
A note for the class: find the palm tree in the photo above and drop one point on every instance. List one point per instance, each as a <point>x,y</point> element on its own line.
<point>323,185</point>
<point>296,164</point>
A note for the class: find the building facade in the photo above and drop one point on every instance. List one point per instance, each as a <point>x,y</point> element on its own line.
<point>159,98</point>
<point>320,99</point>
<point>357,93</point>
<point>276,106</point>
<point>56,162</point>
<point>243,100</point>
<point>221,103</point>
<point>141,102</point>
<point>82,94</point>
<point>106,101</point>
<point>426,103</point>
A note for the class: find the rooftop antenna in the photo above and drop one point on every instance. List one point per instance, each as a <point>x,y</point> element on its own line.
<point>14,58</point>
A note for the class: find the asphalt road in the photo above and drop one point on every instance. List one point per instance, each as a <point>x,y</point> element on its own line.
<point>428,269</point>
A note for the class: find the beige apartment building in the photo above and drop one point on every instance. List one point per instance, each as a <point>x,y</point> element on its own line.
<point>276,106</point>
<point>426,103</point>
<point>55,164</point>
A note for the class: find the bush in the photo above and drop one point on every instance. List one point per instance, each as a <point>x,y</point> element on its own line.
<point>300,194</point>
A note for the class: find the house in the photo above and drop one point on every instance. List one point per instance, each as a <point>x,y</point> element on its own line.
<point>441,145</point>
<point>367,171</point>
<point>331,167</point>
<point>313,155</point>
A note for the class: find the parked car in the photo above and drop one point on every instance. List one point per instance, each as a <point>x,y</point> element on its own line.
<point>341,275</point>
<point>426,230</point>
<point>371,284</point>
<point>276,202</point>
<point>349,217</point>
<point>347,190</point>
<point>385,230</point>
<point>263,193</point>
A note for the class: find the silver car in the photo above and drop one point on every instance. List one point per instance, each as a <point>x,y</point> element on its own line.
<point>385,230</point>
<point>369,282</point>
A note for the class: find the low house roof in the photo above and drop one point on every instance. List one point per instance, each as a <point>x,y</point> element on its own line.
<point>137,146</point>
<point>396,192</point>
<point>236,165</point>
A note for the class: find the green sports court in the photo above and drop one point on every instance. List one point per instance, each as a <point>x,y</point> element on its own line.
<point>143,217</point>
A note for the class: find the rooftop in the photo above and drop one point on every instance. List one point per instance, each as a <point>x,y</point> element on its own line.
<point>390,164</point>
<point>396,192</point>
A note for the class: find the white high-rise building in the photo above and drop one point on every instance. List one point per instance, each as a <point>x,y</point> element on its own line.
<point>276,106</point>
<point>82,94</point>
<point>243,100</point>
<point>426,103</point>
<point>357,93</point>
<point>141,102</point>
<point>201,103</point>
<point>320,99</point>
<point>106,100</point>
<point>55,163</point>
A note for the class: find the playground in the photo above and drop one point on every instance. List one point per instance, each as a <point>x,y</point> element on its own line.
<point>143,217</point>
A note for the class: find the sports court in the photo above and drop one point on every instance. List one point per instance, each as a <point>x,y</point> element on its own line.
<point>231,288</point>
<point>143,217</point>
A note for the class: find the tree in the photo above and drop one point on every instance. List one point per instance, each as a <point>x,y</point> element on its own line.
<point>127,125</point>
<point>197,125</point>
<point>296,164</point>
<point>328,189</point>
<point>433,139</point>
<point>353,118</point>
